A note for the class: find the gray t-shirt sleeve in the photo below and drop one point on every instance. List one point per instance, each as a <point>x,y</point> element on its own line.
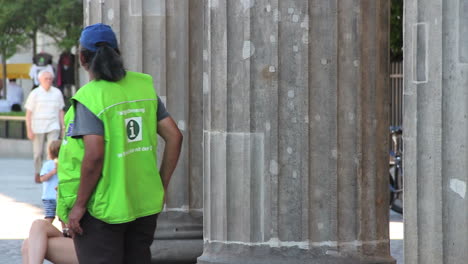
<point>87,123</point>
<point>162,112</point>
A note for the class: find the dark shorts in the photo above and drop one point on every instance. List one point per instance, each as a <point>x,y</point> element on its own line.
<point>115,243</point>
<point>49,208</point>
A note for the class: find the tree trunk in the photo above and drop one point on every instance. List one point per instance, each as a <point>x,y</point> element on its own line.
<point>34,41</point>
<point>4,69</point>
<point>76,68</point>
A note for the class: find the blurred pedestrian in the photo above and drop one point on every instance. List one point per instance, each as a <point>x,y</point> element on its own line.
<point>14,95</point>
<point>44,118</point>
<point>41,62</point>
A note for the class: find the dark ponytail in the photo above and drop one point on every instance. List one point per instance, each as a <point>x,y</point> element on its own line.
<point>105,64</point>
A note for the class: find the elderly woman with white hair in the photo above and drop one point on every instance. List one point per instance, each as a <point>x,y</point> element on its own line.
<point>44,117</point>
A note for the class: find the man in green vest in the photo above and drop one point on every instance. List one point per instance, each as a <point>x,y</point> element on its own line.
<point>110,188</point>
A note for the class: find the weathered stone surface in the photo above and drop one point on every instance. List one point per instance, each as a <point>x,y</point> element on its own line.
<point>435,132</point>
<point>284,107</point>
<point>218,253</point>
<point>296,123</point>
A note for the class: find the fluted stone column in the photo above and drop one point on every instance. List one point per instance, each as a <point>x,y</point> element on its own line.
<point>436,132</point>
<point>164,38</point>
<point>296,131</point>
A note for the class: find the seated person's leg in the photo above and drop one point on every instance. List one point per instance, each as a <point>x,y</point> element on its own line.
<point>45,240</point>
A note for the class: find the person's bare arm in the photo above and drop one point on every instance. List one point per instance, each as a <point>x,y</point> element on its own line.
<point>48,175</point>
<point>29,124</point>
<point>62,123</point>
<point>91,170</point>
<point>169,131</point>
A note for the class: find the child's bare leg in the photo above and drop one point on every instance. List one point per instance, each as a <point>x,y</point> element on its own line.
<point>50,219</point>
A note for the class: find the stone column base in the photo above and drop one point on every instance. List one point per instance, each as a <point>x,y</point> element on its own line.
<point>178,238</point>
<point>176,251</point>
<point>219,253</point>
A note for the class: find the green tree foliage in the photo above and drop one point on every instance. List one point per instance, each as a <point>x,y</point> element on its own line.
<point>22,20</point>
<point>60,19</point>
<point>34,16</point>
<point>396,30</point>
<point>12,30</point>
<point>64,22</point>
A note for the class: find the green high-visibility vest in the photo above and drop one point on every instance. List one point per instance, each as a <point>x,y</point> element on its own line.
<point>130,186</point>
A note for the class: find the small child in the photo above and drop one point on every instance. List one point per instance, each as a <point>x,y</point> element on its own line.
<point>49,181</point>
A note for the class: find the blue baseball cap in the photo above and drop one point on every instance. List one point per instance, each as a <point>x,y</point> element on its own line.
<point>97,33</point>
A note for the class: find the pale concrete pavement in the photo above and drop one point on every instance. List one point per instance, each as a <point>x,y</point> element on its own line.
<point>20,202</point>
<point>396,236</point>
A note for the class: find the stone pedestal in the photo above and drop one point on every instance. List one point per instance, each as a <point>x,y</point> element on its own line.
<point>435,132</point>
<point>295,132</point>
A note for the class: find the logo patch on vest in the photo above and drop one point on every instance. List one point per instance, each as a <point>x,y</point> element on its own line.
<point>70,129</point>
<point>133,126</point>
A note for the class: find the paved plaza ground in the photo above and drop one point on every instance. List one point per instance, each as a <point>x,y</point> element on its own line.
<point>20,202</point>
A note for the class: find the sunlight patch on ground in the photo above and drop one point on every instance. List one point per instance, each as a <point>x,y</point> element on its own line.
<point>17,218</point>
<point>396,230</point>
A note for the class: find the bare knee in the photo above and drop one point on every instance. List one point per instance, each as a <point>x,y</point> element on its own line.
<point>38,225</point>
